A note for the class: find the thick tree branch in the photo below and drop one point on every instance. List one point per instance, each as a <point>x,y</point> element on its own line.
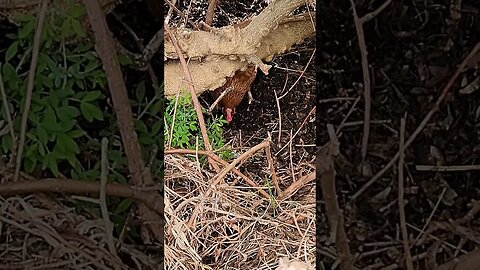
<point>140,174</point>
<point>153,200</point>
<point>210,73</point>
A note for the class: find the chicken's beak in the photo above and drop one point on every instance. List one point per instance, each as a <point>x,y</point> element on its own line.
<point>228,115</point>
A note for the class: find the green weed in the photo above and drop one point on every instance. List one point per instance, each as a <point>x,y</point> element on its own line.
<point>186,131</point>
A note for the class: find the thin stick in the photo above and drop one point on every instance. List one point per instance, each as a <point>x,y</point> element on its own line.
<point>214,104</point>
<point>367,97</point>
<point>194,97</point>
<point>453,168</point>
<point>172,8</point>
<point>342,124</point>
<point>302,181</point>
<point>126,225</point>
<point>173,121</point>
<point>358,123</point>
<point>290,150</point>
<point>367,87</point>
<point>448,244</point>
<point>221,161</point>
<point>434,210</point>
<point>219,177</point>
<point>30,85</point>
<point>369,16</point>
<point>337,99</point>
<point>103,198</point>
<point>212,4</point>
<point>301,75</point>
<point>426,119</point>
<point>271,166</point>
<point>326,168</point>
<point>279,111</point>
<point>152,200</point>
<point>8,115</point>
<point>401,193</point>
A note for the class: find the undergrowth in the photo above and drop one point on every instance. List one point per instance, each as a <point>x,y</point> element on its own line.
<point>181,115</point>
<point>71,111</point>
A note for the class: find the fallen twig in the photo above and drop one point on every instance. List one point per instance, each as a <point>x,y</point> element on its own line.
<point>279,111</point>
<point>453,168</point>
<point>171,8</point>
<point>326,168</point>
<point>151,199</point>
<point>342,124</point>
<point>174,117</point>
<point>103,199</point>
<point>271,166</point>
<point>401,192</point>
<point>312,111</point>
<point>434,210</point>
<point>214,104</point>
<point>302,181</point>
<point>219,177</point>
<point>221,161</point>
<point>367,96</point>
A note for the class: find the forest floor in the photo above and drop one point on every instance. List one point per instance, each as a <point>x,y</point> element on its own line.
<point>414,49</point>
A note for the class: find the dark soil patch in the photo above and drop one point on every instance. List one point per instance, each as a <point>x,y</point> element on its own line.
<point>294,106</point>
<point>414,47</point>
<point>226,13</point>
<point>254,122</point>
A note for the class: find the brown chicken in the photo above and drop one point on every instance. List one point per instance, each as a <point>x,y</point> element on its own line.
<point>237,86</point>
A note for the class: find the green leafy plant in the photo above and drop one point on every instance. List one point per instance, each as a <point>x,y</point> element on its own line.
<point>181,115</point>
<point>70,111</point>
<point>68,99</point>
<point>68,85</point>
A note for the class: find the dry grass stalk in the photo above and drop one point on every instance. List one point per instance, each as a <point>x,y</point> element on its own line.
<point>237,228</point>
